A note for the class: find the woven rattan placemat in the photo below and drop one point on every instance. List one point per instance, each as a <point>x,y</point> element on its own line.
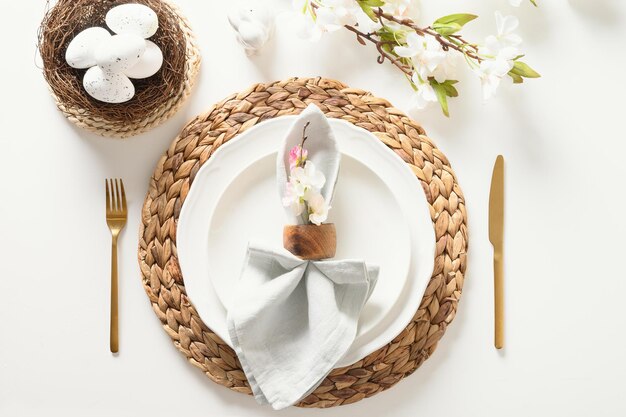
<point>175,172</point>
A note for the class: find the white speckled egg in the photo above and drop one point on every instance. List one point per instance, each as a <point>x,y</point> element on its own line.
<point>80,51</point>
<point>120,52</point>
<point>148,64</point>
<point>133,18</point>
<point>108,87</point>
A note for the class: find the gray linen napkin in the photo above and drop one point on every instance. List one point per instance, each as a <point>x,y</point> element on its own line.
<point>292,320</point>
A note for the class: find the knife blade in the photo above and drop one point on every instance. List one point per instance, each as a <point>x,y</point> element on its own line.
<point>496,237</point>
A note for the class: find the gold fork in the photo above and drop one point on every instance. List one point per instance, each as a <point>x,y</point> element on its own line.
<point>116,220</point>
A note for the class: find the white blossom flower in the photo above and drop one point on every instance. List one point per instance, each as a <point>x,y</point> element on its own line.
<point>424,95</point>
<point>365,24</point>
<point>318,208</point>
<point>307,28</point>
<point>335,14</point>
<point>300,6</point>
<point>308,176</point>
<point>506,25</point>
<point>425,52</point>
<point>397,7</point>
<point>294,198</point>
<point>505,40</point>
<point>332,15</point>
<point>447,69</point>
<point>304,182</point>
<point>499,53</point>
<point>490,73</point>
<point>338,12</point>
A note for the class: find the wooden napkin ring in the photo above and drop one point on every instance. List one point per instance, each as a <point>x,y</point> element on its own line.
<point>311,242</point>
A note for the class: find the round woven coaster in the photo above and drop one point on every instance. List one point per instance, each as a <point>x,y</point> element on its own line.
<point>175,172</point>
<point>172,100</point>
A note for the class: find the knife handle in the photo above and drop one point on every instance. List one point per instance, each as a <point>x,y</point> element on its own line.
<point>498,286</point>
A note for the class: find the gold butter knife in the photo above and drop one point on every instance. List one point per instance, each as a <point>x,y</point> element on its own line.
<point>496,237</point>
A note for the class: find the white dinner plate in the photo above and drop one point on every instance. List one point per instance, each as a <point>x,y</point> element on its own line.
<point>379,209</point>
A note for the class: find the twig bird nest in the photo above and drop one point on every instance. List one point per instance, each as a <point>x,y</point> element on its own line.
<point>156,98</point>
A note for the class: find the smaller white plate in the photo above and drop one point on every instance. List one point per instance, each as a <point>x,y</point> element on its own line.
<point>381,215</point>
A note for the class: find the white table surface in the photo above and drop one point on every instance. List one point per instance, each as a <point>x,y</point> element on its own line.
<point>564,145</point>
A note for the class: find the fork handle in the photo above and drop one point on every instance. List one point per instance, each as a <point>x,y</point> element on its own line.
<point>114,333</point>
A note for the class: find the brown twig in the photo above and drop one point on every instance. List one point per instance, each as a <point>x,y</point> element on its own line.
<point>445,44</point>
<point>463,41</point>
<point>304,138</point>
<point>379,46</point>
<point>459,44</point>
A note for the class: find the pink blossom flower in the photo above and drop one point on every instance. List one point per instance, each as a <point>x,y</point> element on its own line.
<point>297,156</point>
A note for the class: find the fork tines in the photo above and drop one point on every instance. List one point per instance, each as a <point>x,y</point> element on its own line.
<point>115,197</point>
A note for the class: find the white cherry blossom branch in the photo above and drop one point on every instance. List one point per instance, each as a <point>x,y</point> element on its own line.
<point>424,54</point>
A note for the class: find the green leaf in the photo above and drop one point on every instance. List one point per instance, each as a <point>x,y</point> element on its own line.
<point>442,97</point>
<point>443,91</point>
<point>534,2</point>
<point>388,48</point>
<point>368,5</point>
<point>446,28</point>
<point>524,70</point>
<point>386,34</point>
<point>517,79</point>
<point>459,18</point>
<point>368,11</point>
<point>371,3</point>
<point>449,88</point>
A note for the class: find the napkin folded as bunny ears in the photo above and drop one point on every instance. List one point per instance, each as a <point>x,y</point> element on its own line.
<point>292,320</point>
<point>322,151</point>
